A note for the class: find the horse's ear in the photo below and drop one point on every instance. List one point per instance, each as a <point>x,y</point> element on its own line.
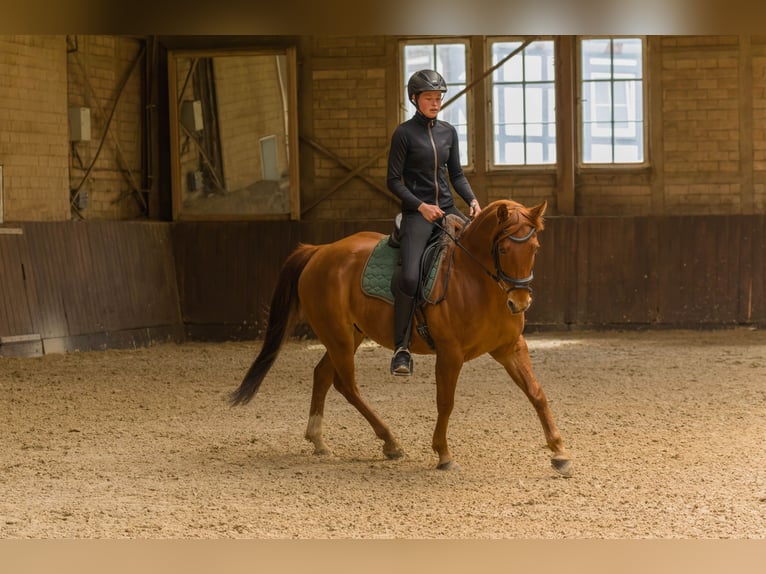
<point>536,213</point>
<point>502,213</point>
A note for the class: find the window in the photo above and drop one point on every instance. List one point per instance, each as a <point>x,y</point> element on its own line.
<point>523,104</point>
<point>612,87</point>
<point>449,59</point>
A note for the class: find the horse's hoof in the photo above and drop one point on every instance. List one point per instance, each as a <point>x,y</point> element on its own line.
<point>394,454</point>
<point>562,464</point>
<point>323,451</point>
<point>449,465</point>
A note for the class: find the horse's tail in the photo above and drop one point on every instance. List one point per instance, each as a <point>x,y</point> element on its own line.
<point>283,313</point>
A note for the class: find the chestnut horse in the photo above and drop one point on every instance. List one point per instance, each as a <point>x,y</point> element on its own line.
<point>482,311</point>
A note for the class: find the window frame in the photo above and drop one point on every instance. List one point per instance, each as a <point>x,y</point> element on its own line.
<point>579,128</point>
<point>491,166</point>
<point>405,109</point>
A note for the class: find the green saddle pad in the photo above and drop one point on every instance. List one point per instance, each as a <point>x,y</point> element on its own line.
<point>376,278</point>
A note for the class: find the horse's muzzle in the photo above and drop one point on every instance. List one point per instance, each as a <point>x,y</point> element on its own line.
<point>519,306</point>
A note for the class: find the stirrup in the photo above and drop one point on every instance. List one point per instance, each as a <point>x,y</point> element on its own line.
<point>401,363</point>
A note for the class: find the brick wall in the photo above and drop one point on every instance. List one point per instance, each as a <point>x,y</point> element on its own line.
<point>97,67</point>
<point>701,124</point>
<point>349,117</point>
<point>706,112</point>
<point>33,128</point>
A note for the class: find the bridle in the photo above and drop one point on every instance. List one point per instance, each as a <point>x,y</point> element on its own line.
<point>500,275</point>
<point>504,281</point>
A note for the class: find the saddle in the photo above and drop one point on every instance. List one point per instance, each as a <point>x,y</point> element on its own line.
<point>382,264</point>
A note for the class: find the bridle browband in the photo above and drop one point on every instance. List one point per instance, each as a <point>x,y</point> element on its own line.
<point>499,276</point>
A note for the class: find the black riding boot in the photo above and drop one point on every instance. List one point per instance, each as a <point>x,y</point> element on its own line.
<point>404,308</point>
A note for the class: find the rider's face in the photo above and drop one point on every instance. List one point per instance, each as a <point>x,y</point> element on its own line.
<point>429,103</point>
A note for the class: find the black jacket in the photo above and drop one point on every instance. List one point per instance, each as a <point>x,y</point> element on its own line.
<point>412,171</point>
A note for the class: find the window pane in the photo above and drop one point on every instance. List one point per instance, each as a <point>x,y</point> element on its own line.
<point>534,153</point>
<point>629,142</point>
<point>621,102</point>
<point>551,149</point>
<point>597,142</point>
<point>534,131</point>
<point>538,62</point>
<point>456,114</point>
<point>510,153</point>
<point>511,70</point>
<point>450,62</point>
<point>596,58</point>
<point>509,105</point>
<point>627,58</point>
<point>418,57</point>
<point>628,100</point>
<point>540,103</point>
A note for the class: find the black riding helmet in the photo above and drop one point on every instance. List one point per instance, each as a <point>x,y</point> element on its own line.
<point>425,81</point>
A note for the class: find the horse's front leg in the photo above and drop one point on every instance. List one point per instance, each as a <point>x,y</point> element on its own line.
<point>448,367</point>
<point>515,359</point>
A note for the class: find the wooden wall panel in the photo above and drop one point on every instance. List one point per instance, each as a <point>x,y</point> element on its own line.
<point>591,272</point>
<point>554,293</point>
<point>15,317</point>
<point>699,263</point>
<point>96,284</point>
<point>50,285</point>
<point>99,284</point>
<point>227,270</point>
<point>751,283</point>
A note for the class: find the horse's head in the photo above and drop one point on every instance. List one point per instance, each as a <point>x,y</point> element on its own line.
<point>514,245</point>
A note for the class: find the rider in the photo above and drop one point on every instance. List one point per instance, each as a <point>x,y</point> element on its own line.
<point>424,151</point>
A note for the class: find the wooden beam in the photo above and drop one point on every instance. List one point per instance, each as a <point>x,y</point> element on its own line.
<point>746,104</point>
<point>566,118</point>
<point>355,171</point>
<point>653,112</point>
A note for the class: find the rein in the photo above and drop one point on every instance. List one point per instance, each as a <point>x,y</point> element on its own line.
<point>499,276</point>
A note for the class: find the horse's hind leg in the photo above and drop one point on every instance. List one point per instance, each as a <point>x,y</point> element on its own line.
<point>324,377</point>
<point>342,377</point>
<point>345,383</point>
<point>323,380</point>
<point>515,359</point>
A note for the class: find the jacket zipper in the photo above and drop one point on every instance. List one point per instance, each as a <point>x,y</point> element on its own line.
<point>436,163</point>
